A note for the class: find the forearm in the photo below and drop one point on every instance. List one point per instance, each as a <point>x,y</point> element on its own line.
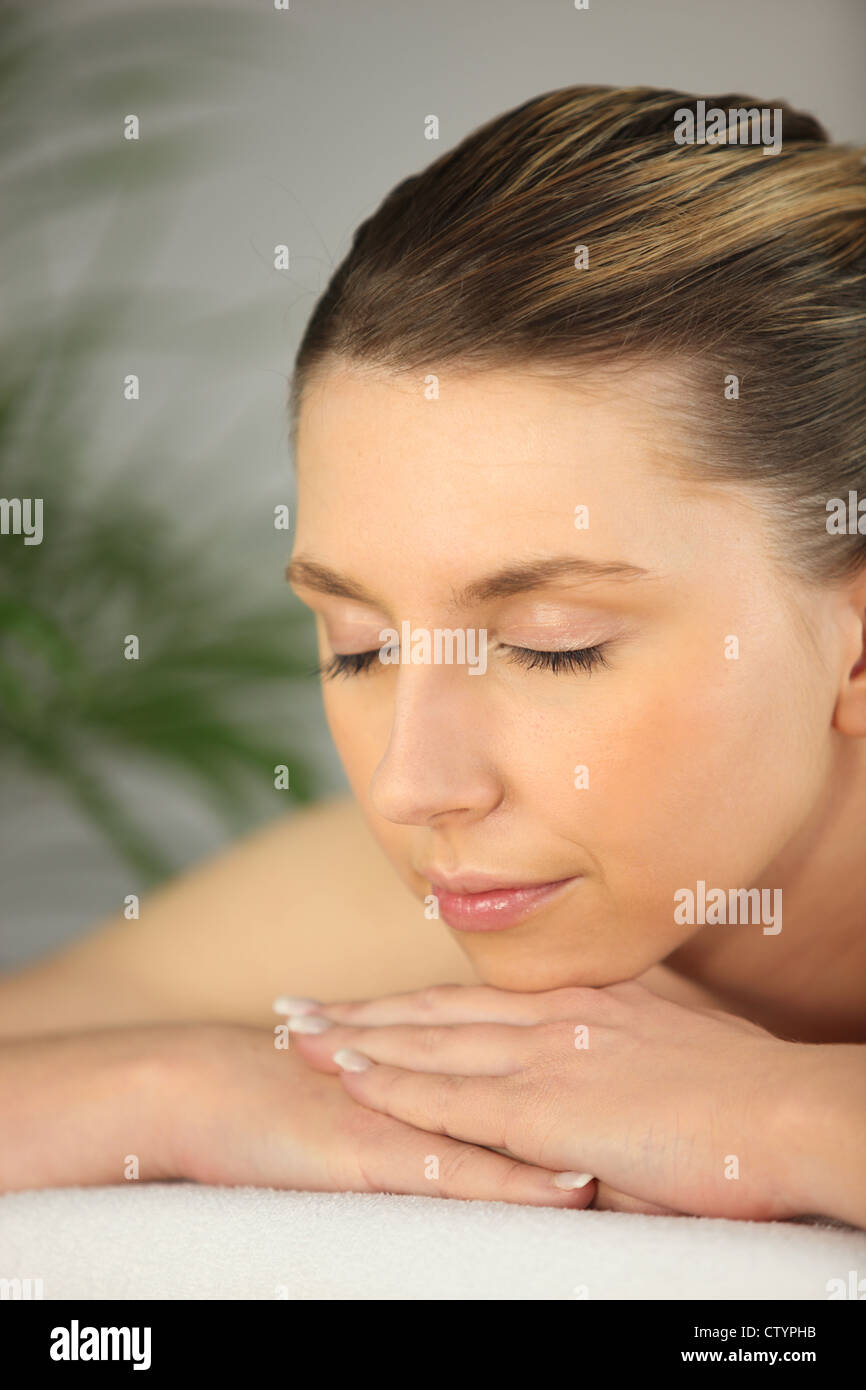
<point>84,1109</point>
<point>824,1131</point>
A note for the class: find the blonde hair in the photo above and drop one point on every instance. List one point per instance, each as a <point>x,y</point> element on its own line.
<point>714,256</point>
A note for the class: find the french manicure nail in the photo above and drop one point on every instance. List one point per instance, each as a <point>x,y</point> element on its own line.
<point>308,1023</point>
<point>288,1004</point>
<point>572,1180</point>
<point>350,1060</point>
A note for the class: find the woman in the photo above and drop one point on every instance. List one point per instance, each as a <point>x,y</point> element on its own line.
<point>578,421</point>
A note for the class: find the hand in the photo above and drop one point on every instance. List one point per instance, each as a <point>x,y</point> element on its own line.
<point>245,1113</point>
<point>674,1107</point>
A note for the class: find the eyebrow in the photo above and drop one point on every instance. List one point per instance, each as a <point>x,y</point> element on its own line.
<point>513,579</point>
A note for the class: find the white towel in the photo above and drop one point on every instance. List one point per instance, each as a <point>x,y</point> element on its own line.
<point>185,1241</point>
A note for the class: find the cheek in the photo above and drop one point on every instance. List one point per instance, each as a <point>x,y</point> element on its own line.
<point>694,770</point>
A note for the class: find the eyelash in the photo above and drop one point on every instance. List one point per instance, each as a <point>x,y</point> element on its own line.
<point>580,659</point>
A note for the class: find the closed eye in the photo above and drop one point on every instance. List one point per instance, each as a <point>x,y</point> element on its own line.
<point>350,664</point>
<point>580,659</point>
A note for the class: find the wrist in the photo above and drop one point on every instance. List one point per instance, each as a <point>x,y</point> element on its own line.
<point>191,1083</point>
<point>819,1134</point>
<point>178,1088</point>
<point>161,1083</point>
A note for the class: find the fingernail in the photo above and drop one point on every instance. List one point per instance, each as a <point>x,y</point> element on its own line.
<point>572,1180</point>
<point>308,1023</point>
<point>288,1004</point>
<point>350,1060</point>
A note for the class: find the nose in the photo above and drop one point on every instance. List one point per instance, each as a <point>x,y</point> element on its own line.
<point>437,763</point>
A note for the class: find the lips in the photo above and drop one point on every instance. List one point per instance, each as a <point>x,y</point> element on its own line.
<point>475,902</point>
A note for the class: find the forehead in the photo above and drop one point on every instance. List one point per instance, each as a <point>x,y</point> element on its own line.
<point>497,460</point>
<point>489,415</point>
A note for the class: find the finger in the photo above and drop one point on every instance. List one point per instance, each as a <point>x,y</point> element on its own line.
<point>609,1199</point>
<point>436,1166</point>
<point>442,1004</point>
<point>472,1108</point>
<point>466,1004</point>
<point>470,1049</point>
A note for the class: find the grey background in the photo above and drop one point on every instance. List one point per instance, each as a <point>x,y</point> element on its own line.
<point>306,130</point>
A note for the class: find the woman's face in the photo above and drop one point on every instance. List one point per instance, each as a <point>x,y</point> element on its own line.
<point>697,750</point>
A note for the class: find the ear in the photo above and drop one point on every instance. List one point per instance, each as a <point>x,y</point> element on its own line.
<point>849,716</point>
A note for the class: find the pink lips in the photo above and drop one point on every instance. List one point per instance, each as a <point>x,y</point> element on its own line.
<point>492,909</point>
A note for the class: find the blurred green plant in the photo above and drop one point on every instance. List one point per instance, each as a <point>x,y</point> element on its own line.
<point>113,561</point>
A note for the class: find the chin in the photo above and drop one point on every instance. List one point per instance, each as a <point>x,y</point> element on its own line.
<point>528,968</point>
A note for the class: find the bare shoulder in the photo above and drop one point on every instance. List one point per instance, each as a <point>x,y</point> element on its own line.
<point>308,905</point>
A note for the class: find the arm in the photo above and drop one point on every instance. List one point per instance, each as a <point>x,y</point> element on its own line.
<point>75,1108</point>
<point>222,1104</point>
<point>822,1131</point>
